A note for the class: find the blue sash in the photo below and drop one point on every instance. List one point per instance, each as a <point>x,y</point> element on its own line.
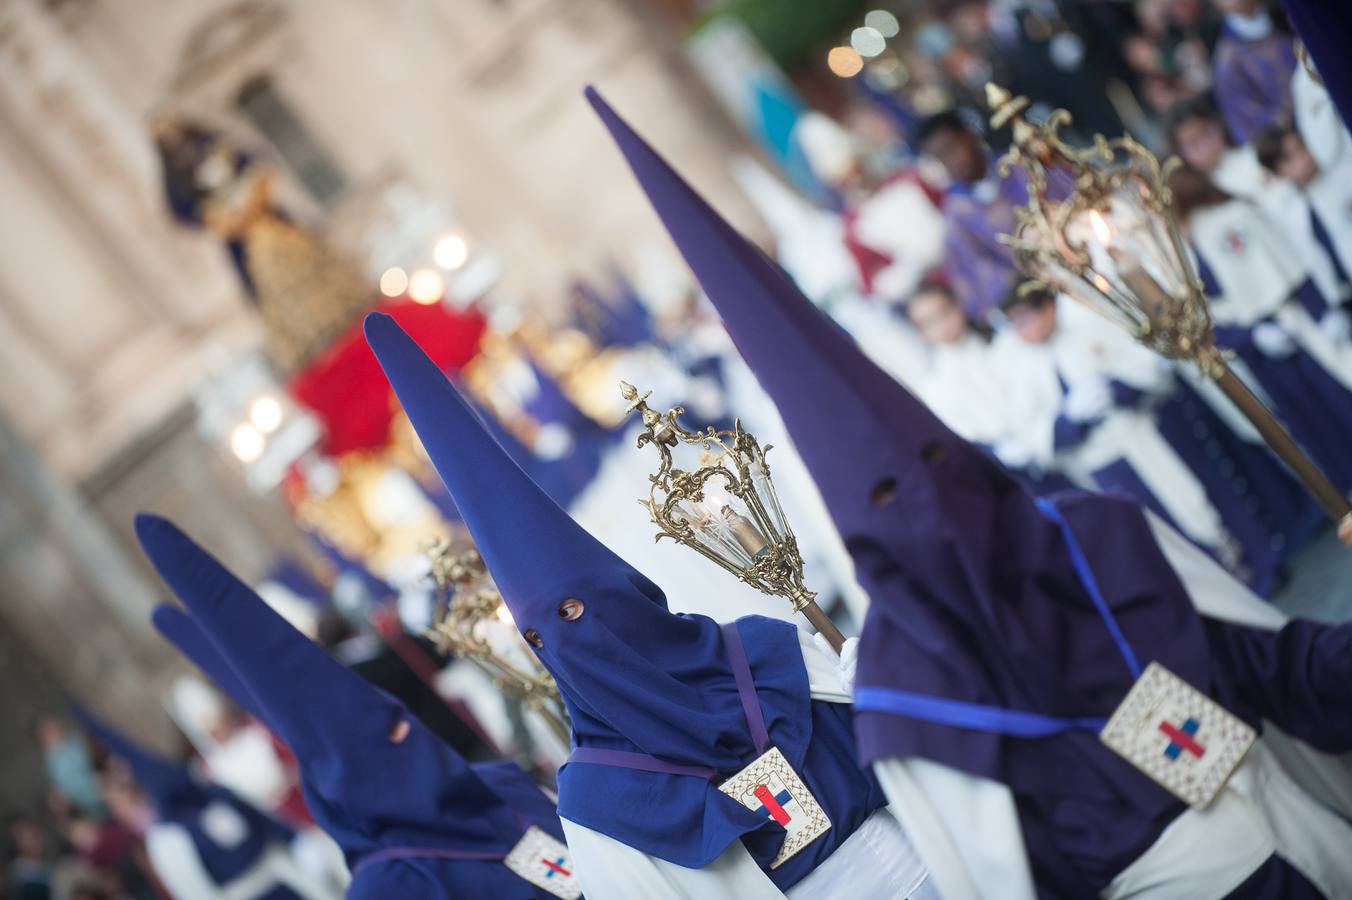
<point>995,719</point>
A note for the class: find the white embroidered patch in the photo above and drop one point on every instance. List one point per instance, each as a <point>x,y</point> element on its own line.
<point>771,787</point>
<point>545,862</point>
<point>1178,736</point>
<point>226,828</point>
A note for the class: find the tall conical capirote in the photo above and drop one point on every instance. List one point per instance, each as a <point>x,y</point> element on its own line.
<point>867,441</point>
<point>364,787</point>
<point>625,665</point>
<point>976,596</point>
<point>166,783</point>
<point>179,629</point>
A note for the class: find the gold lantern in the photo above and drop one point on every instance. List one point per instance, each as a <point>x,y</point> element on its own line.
<point>1112,244</point>
<point>726,508</point>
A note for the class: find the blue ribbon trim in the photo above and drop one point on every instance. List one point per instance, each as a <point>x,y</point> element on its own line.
<point>995,719</point>
<point>973,716</point>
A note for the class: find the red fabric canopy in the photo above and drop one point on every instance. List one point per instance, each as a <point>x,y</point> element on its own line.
<point>347,390</point>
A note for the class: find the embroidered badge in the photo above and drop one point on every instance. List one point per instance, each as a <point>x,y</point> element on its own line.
<point>771,787</point>
<point>1236,242</point>
<point>544,862</point>
<point>1178,736</point>
<point>223,825</point>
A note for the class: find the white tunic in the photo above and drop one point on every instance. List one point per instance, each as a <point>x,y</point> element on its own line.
<point>174,857</point>
<point>1257,275</point>
<point>963,389</point>
<point>1318,121</point>
<point>877,862</point>
<point>1086,353</point>
<point>899,221</point>
<point>966,828</point>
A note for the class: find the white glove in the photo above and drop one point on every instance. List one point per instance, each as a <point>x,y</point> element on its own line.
<point>1273,341</point>
<point>1336,326</point>
<point>1088,400</point>
<point>845,661</point>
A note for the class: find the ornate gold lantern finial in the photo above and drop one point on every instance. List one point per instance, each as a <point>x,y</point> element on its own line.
<point>725,508</point>
<point>1105,236</point>
<point>473,623</point>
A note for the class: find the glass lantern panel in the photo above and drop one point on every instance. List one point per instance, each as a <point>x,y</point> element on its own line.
<point>712,529</point>
<point>765,491</point>
<point>1144,235</point>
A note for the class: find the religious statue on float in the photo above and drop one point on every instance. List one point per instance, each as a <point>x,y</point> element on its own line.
<point>307,293</point>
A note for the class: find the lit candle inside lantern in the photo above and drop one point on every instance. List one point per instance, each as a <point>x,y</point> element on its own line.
<point>1146,289</point>
<point>746,532</point>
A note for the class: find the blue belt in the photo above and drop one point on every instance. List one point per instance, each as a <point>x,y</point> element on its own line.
<point>996,719</point>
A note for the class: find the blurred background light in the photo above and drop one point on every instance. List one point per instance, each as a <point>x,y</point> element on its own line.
<point>451,252</point>
<point>393,282</point>
<point>867,42</point>
<point>426,287</point>
<point>266,414</point>
<point>883,22</point>
<point>844,61</point>
<point>246,442</point>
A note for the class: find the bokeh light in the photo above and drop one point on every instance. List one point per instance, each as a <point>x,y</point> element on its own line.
<point>844,61</point>
<point>393,281</point>
<point>426,287</point>
<point>867,42</point>
<point>883,22</point>
<point>247,443</point>
<point>266,414</point>
<point>451,252</point>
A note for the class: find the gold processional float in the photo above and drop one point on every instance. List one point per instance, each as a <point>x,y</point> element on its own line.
<point>1113,245</point>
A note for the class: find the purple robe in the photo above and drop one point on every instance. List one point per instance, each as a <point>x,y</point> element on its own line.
<point>975,594</point>
<point>1264,508</point>
<point>1253,81</point>
<point>1326,30</point>
<point>980,266</point>
<point>1313,405</point>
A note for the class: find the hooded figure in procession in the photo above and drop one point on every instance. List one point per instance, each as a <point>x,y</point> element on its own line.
<point>206,842</point>
<point>709,761</point>
<point>413,818</point>
<point>1005,631</point>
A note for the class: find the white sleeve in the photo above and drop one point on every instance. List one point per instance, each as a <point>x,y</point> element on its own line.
<point>1317,120</point>
<point>823,672</point>
<point>1214,591</point>
<point>610,870</point>
<point>174,858</point>
<point>966,829</point>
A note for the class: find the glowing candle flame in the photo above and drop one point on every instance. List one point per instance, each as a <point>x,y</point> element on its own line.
<point>1102,230</point>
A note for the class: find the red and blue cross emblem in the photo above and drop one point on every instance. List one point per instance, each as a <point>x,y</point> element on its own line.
<point>555,867</point>
<point>773,805</point>
<point>1182,738</point>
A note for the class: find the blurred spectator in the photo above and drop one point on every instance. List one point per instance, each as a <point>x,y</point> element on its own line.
<point>68,765</point>
<point>1254,62</point>
<point>28,865</point>
<point>978,208</point>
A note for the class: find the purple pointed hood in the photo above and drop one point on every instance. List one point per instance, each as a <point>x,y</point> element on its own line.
<point>168,785</point>
<point>179,629</point>
<point>871,446</point>
<point>625,665</point>
<point>975,597</point>
<point>365,789</point>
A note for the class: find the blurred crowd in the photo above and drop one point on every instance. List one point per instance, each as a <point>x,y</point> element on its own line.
<point>906,251</point>
<point>903,249</point>
<point>88,843</point>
